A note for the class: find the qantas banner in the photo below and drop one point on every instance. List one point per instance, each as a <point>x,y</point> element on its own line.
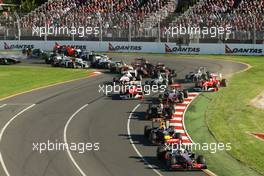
<point>193,49</point>
<point>239,49</point>
<point>140,47</point>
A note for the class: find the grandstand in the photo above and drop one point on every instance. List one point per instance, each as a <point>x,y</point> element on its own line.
<point>145,20</point>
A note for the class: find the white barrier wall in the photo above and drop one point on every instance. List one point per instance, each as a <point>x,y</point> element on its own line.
<point>144,47</point>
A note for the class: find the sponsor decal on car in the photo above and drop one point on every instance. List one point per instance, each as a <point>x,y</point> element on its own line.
<point>181,49</point>
<point>235,50</point>
<point>124,47</point>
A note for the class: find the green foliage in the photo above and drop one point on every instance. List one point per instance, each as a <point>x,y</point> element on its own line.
<point>28,5</point>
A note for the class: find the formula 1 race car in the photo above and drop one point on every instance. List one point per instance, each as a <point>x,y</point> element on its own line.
<point>159,111</point>
<point>66,50</point>
<point>8,61</point>
<point>68,62</point>
<point>144,68</point>
<point>99,61</point>
<point>212,84</point>
<point>116,67</point>
<point>161,68</point>
<point>180,158</point>
<point>174,94</point>
<point>132,91</point>
<point>75,63</point>
<point>162,79</point>
<point>200,74</point>
<point>128,76</point>
<point>159,133</point>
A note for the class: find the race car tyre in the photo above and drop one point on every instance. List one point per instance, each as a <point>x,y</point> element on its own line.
<point>201,160</point>
<point>161,96</point>
<point>147,130</point>
<point>161,152</point>
<point>177,136</point>
<point>171,80</point>
<point>153,138</point>
<point>173,73</point>
<point>173,160</point>
<point>223,83</point>
<point>181,98</point>
<point>185,93</point>
<point>170,112</point>
<point>139,77</point>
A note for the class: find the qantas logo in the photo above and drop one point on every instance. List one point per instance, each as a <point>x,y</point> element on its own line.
<point>16,46</point>
<point>123,47</point>
<point>181,49</point>
<point>228,50</point>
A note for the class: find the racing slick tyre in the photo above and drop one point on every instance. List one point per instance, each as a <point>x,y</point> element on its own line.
<point>147,83</point>
<point>173,73</point>
<point>170,161</point>
<point>177,136</point>
<point>161,152</point>
<point>161,97</point>
<point>201,159</point>
<point>185,93</point>
<point>173,160</point>
<point>170,112</point>
<point>171,80</point>
<point>153,138</point>
<point>147,130</point>
<point>181,98</point>
<point>139,77</point>
<point>223,83</point>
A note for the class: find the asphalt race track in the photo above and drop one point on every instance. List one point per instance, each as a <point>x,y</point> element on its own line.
<point>103,120</point>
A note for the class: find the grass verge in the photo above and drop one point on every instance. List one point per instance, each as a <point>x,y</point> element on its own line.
<point>17,79</point>
<point>220,162</point>
<point>227,116</point>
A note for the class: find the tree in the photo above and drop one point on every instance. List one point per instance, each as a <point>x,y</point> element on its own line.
<point>28,5</point>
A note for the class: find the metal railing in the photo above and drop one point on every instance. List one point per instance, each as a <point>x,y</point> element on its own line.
<point>126,27</point>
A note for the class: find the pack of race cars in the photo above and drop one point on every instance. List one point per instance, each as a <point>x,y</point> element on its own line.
<point>170,150</point>
<point>133,77</point>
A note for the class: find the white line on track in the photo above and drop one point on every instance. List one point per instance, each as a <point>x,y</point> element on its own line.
<point>2,132</point>
<point>133,145</point>
<point>3,105</point>
<point>65,140</point>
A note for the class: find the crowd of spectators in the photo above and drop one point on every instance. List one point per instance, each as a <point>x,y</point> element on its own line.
<point>241,15</point>
<point>247,16</point>
<point>88,12</point>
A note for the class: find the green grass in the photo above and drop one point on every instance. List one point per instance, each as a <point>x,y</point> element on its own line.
<point>220,162</point>
<point>17,79</point>
<point>228,116</point>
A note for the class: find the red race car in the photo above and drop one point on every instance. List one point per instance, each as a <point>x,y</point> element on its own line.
<point>212,84</point>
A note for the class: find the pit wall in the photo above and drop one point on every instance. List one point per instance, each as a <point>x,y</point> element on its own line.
<point>141,47</point>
